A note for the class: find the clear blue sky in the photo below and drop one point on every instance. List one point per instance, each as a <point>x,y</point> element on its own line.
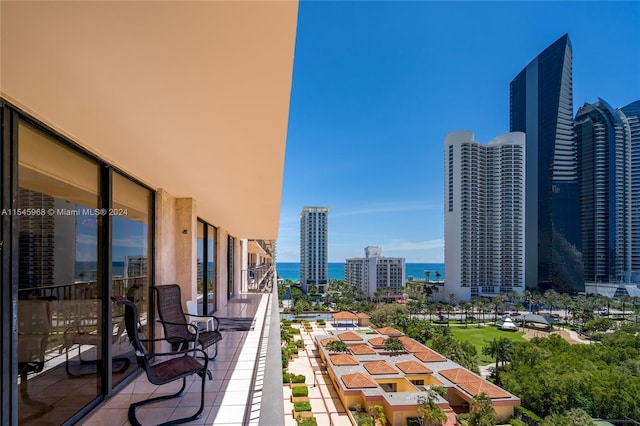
<point>377,86</point>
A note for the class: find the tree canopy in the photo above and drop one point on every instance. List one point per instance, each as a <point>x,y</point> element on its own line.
<point>551,376</point>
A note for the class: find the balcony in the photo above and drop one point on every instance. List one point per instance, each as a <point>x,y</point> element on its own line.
<point>260,278</point>
<point>246,387</point>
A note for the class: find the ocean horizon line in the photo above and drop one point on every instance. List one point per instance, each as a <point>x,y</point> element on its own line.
<point>417,270</point>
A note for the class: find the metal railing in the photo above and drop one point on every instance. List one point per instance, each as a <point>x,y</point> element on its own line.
<point>260,278</point>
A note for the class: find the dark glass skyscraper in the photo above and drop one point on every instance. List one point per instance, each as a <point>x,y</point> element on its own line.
<point>541,105</point>
<point>608,144</point>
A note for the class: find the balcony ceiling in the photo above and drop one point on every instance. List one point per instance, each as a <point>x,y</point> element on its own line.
<point>191,97</point>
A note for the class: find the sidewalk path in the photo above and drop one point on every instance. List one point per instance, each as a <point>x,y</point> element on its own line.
<point>325,403</point>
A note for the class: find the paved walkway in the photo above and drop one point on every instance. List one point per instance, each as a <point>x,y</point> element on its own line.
<point>569,335</point>
<point>325,403</point>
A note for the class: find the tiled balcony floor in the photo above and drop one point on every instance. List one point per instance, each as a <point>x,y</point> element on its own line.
<point>226,396</point>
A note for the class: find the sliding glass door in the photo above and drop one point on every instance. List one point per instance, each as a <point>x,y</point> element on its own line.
<point>60,286</point>
<point>206,264</point>
<point>84,233</point>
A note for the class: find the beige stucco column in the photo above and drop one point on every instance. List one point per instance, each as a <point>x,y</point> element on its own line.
<point>176,249</point>
<point>186,248</point>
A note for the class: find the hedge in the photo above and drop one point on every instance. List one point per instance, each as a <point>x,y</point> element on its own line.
<point>301,406</point>
<point>286,377</point>
<point>300,378</point>
<point>529,417</point>
<point>300,391</point>
<point>307,421</point>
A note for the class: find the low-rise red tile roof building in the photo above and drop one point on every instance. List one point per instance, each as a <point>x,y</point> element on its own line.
<point>371,376</point>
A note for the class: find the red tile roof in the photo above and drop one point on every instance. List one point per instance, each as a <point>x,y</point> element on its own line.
<point>343,359</point>
<point>476,388</point>
<point>459,375</point>
<point>358,380</point>
<point>411,345</point>
<point>325,342</point>
<point>362,315</point>
<point>349,336</point>
<point>362,349</point>
<point>379,367</point>
<point>413,367</point>
<point>429,356</point>
<point>390,331</point>
<point>345,315</point>
<point>377,341</point>
<point>472,384</point>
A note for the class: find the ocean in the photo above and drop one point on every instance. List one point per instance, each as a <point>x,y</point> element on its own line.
<point>291,270</point>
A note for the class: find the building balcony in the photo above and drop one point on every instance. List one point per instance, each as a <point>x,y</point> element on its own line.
<point>246,386</point>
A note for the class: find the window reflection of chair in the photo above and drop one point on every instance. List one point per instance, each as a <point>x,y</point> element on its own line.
<point>203,322</point>
<point>34,329</point>
<point>84,332</point>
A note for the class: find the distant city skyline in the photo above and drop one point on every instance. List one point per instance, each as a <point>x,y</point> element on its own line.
<point>377,85</point>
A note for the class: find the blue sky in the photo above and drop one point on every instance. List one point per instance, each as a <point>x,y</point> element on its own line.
<point>377,86</point>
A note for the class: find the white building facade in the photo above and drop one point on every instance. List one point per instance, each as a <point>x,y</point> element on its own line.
<point>484,215</point>
<point>314,267</point>
<point>374,271</point>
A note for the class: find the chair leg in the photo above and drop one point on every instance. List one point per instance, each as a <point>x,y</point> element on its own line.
<point>132,408</point>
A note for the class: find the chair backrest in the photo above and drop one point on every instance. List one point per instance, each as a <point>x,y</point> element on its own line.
<point>131,324</point>
<point>192,307</point>
<point>169,303</point>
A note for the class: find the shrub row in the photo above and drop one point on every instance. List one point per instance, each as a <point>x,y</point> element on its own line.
<point>292,378</point>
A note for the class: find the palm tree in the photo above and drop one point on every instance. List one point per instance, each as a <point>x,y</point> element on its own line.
<point>393,345</point>
<point>430,413</point>
<point>338,346</point>
<point>438,275</point>
<point>449,310</point>
<point>465,309</point>
<point>452,299</point>
<point>431,309</point>
<point>502,350</point>
<point>377,411</point>
<point>482,412</point>
<point>427,274</point>
<point>498,302</point>
<point>553,299</point>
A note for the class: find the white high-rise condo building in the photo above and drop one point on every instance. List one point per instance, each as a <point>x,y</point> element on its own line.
<point>374,271</point>
<point>314,248</point>
<point>484,215</point>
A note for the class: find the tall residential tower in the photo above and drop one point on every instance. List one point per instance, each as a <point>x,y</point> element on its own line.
<point>314,247</point>
<point>608,144</point>
<point>484,215</point>
<point>541,106</point>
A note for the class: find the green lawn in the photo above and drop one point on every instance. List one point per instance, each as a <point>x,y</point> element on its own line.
<point>479,336</point>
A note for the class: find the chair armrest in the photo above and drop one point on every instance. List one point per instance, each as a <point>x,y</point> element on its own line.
<point>161,339</point>
<point>188,324</point>
<point>183,353</point>
<point>208,316</point>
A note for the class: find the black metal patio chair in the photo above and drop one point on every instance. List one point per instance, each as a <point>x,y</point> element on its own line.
<point>178,329</point>
<point>179,366</point>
